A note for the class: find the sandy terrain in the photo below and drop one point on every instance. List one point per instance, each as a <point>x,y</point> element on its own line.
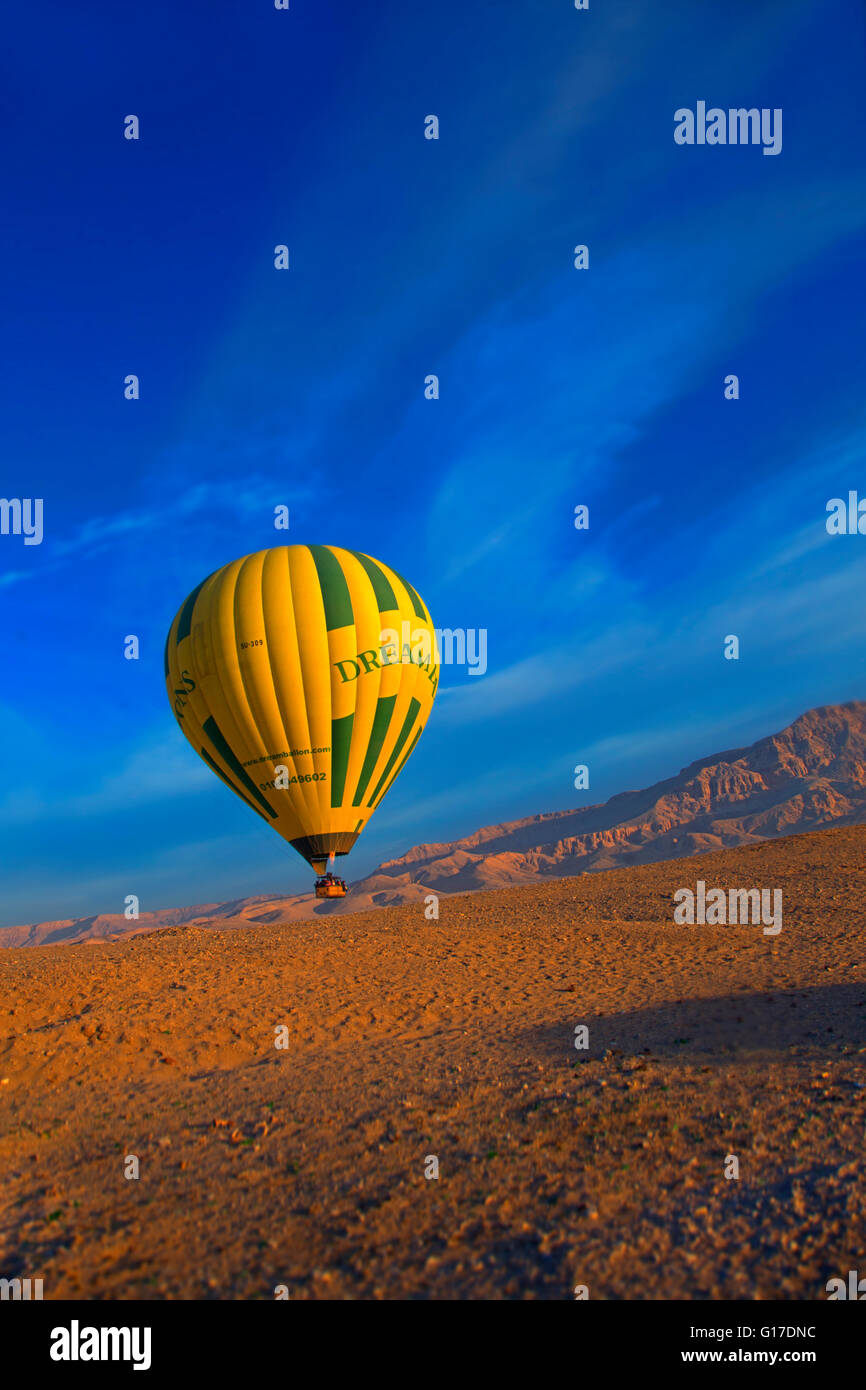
<point>454,1038</point>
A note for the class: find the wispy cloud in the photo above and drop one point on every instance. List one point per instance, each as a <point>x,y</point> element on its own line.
<point>225,502</point>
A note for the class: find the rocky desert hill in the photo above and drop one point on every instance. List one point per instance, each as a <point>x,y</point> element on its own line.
<point>810,776</point>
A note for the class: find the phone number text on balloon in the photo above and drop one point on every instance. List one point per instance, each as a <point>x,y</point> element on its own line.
<point>287,781</point>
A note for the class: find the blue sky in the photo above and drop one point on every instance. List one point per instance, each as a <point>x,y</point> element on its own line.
<point>305,387</point>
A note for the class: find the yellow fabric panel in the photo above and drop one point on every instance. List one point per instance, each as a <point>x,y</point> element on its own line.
<point>283,643</point>
<point>312,638</point>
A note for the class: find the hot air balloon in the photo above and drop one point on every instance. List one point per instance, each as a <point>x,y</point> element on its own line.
<point>304,675</point>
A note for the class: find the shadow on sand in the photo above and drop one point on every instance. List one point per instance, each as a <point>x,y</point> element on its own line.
<point>747,1024</point>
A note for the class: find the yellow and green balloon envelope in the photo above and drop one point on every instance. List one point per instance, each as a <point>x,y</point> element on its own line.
<point>304,675</point>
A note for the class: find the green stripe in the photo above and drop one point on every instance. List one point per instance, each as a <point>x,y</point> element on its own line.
<point>213,732</point>
<point>385,596</point>
<point>412,715</point>
<point>184,622</point>
<point>399,768</point>
<point>357,827</point>
<point>219,772</point>
<point>416,601</point>
<point>335,590</point>
<point>341,742</point>
<point>381,720</point>
<point>167,640</point>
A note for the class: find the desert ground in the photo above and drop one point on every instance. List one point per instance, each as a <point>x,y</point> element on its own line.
<point>407,1038</point>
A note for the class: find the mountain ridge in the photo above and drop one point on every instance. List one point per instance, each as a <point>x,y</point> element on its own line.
<point>809,776</point>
